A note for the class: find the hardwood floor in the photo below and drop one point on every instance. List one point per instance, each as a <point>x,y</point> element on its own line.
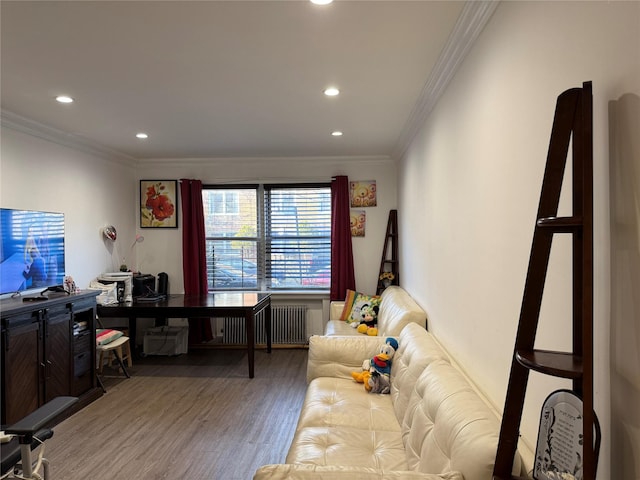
<point>196,416</point>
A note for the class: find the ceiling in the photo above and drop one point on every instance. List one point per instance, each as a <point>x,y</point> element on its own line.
<point>224,78</point>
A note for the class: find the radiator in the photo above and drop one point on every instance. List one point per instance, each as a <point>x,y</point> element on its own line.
<point>288,326</point>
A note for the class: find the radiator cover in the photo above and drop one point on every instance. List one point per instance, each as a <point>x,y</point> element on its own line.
<point>288,327</point>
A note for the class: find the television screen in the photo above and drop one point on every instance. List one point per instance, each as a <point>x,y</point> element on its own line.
<point>32,250</point>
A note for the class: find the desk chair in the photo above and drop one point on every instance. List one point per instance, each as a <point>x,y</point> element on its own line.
<point>28,435</point>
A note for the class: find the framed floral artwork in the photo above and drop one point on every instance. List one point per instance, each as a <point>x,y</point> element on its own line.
<point>158,204</point>
<point>358,221</point>
<point>363,193</point>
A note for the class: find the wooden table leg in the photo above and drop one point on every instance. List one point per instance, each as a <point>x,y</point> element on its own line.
<point>250,322</point>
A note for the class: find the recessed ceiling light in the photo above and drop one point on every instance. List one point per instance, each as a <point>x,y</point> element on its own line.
<point>64,99</point>
<point>331,91</point>
<point>142,135</point>
<point>337,133</point>
<point>321,2</point>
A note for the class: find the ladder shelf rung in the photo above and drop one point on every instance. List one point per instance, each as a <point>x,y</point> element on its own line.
<point>560,224</point>
<point>559,364</point>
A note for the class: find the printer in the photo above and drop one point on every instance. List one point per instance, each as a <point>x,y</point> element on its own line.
<point>124,281</point>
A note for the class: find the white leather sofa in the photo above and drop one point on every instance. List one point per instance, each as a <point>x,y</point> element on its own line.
<point>397,309</point>
<point>434,425</point>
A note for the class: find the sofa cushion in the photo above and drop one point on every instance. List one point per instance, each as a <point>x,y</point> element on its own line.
<point>339,328</point>
<point>397,310</point>
<point>448,427</point>
<point>322,472</point>
<point>339,356</point>
<point>348,446</point>
<point>335,402</point>
<point>417,349</point>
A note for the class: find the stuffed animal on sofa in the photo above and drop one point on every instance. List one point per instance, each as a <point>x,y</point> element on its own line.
<point>367,324</point>
<point>379,383</point>
<point>363,377</point>
<point>375,374</point>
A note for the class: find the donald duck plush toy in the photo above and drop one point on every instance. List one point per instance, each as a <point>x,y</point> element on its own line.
<point>375,374</point>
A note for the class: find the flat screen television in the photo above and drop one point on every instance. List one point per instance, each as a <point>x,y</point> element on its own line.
<point>31,250</point>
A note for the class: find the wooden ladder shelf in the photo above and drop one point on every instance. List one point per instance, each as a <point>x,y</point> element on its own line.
<point>390,263</point>
<point>572,125</point>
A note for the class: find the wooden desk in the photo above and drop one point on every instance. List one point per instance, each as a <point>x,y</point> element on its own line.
<point>219,304</point>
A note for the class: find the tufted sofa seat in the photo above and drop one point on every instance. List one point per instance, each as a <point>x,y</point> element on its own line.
<point>397,309</point>
<point>434,424</point>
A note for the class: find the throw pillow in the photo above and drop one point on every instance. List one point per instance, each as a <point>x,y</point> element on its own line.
<point>106,335</point>
<point>353,304</point>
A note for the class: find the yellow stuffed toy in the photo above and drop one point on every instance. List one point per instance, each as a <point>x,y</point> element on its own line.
<point>363,377</point>
<point>363,328</point>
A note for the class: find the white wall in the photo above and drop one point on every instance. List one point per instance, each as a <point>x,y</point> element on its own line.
<point>153,254</point>
<point>469,186</point>
<point>37,174</point>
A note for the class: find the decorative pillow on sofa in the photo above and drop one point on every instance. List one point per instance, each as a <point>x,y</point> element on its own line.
<point>355,302</point>
<point>106,335</point>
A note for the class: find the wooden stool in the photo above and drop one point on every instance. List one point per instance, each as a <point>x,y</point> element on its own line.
<point>120,348</point>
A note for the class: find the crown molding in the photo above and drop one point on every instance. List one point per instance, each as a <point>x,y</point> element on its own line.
<point>260,160</point>
<point>472,20</point>
<point>30,127</point>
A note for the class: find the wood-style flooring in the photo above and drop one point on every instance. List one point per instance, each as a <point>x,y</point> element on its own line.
<point>196,416</point>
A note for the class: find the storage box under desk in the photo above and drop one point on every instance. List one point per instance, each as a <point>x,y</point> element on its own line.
<point>166,341</point>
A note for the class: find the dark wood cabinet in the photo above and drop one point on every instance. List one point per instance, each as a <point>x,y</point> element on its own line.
<point>47,352</point>
<point>21,361</point>
<point>56,368</point>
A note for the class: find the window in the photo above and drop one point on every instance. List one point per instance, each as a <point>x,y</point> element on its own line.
<point>224,202</point>
<point>268,236</point>
<point>231,239</point>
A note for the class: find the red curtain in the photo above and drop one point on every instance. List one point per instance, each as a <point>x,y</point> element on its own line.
<point>194,257</point>
<point>342,273</point>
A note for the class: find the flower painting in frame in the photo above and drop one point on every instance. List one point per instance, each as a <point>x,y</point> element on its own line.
<point>358,221</point>
<point>158,204</point>
<point>363,193</point>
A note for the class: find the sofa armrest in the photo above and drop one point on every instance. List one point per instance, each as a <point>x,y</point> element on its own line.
<point>317,472</point>
<point>338,356</point>
<point>335,310</point>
